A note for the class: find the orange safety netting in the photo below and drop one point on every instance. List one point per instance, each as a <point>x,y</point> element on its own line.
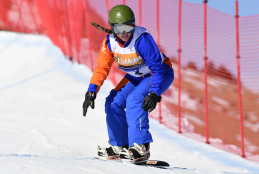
<point>215,95</point>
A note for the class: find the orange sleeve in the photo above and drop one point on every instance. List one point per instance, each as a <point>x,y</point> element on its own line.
<point>104,63</point>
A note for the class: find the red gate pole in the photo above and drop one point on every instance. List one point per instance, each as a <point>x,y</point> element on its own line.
<point>140,11</point>
<point>123,2</point>
<point>205,71</point>
<point>179,65</point>
<point>157,42</point>
<point>239,84</point>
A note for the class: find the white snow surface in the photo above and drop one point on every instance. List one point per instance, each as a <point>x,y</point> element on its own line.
<point>42,129</point>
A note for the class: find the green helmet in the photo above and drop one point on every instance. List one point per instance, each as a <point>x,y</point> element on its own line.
<point>120,14</point>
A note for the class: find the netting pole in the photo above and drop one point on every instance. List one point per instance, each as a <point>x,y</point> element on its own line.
<point>78,38</point>
<point>88,35</point>
<point>73,31</point>
<point>157,42</point>
<point>112,71</point>
<point>20,17</point>
<point>157,22</point>
<point>38,28</point>
<point>67,45</point>
<point>179,64</point>
<point>1,13</point>
<point>55,16</point>
<point>239,84</point>
<point>140,10</point>
<point>61,14</point>
<point>205,71</point>
<point>68,32</point>
<point>107,7</point>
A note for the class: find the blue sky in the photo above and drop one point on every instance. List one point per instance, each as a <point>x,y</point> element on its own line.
<point>246,7</point>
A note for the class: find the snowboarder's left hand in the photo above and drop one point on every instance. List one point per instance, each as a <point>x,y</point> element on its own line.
<point>89,101</point>
<point>151,101</point>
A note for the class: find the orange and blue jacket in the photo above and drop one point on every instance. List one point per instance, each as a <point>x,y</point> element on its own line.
<point>139,58</point>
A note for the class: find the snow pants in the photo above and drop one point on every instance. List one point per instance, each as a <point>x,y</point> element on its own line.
<point>127,122</point>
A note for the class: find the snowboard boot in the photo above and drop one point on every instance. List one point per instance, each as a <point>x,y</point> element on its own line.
<point>135,153</point>
<point>110,153</point>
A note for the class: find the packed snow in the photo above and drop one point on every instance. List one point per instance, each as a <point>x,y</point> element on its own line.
<point>42,129</point>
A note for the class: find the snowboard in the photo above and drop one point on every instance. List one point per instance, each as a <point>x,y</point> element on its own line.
<point>147,163</point>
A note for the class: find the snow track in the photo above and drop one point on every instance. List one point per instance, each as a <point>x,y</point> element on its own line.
<point>42,129</point>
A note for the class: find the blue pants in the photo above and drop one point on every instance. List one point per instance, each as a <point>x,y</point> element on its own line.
<point>127,122</point>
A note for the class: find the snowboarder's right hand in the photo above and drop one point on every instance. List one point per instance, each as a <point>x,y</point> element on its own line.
<point>89,101</point>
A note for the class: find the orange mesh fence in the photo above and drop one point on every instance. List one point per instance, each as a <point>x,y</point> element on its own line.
<point>249,67</point>
<point>215,95</point>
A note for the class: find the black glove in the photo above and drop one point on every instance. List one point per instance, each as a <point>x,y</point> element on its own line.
<point>89,101</point>
<point>150,102</point>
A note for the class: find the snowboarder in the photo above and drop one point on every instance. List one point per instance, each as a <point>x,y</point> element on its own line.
<point>149,74</point>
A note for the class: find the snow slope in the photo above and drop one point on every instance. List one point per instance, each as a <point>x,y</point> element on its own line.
<point>42,129</point>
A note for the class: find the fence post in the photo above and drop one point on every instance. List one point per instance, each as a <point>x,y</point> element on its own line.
<point>38,27</point>
<point>179,64</point>
<point>157,42</point>
<point>112,71</point>
<point>239,84</point>
<point>73,35</point>
<point>54,13</point>
<point>140,10</point>
<point>20,17</point>
<point>157,22</point>
<point>62,33</point>
<point>205,72</point>
<point>68,32</point>
<point>88,35</point>
<point>107,7</point>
